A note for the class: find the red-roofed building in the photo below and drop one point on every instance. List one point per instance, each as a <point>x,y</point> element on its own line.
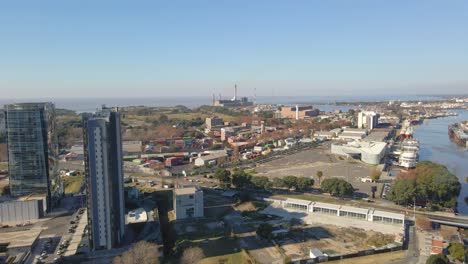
<point>437,246</point>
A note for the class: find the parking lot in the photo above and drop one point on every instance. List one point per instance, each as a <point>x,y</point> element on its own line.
<point>58,236</point>
<point>307,163</point>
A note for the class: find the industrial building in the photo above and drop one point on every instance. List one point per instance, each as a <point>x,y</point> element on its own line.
<point>188,203</point>
<point>299,112</point>
<point>210,159</point>
<point>33,150</point>
<point>22,210</point>
<point>365,214</point>
<point>368,119</point>
<point>368,152</point>
<point>104,171</point>
<point>234,102</point>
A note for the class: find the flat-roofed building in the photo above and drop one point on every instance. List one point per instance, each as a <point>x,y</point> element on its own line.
<point>188,203</point>
<point>299,112</point>
<point>297,204</point>
<point>387,217</point>
<point>365,214</point>
<point>211,122</point>
<point>354,212</point>
<point>368,152</point>
<point>325,208</point>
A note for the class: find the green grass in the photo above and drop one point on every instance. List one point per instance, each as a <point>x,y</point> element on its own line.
<point>72,184</point>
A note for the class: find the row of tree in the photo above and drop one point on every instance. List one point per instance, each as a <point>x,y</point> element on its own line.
<point>241,179</point>
<point>430,182</point>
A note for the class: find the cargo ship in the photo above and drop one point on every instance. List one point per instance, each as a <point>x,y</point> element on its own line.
<point>458,133</point>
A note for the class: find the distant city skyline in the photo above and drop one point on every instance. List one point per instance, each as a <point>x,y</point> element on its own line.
<point>63,49</point>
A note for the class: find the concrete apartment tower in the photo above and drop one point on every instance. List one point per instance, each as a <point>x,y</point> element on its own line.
<point>104,178</point>
<point>368,119</point>
<point>33,151</point>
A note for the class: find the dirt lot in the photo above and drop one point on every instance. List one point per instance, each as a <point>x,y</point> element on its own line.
<point>307,163</point>
<point>331,239</point>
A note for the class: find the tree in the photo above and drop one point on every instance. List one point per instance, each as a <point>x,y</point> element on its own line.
<point>375,175</point>
<point>264,230</point>
<point>437,259</point>
<point>140,253</point>
<point>319,176</point>
<point>402,191</point>
<point>261,182</point>
<point>163,119</point>
<point>222,175</point>
<point>303,183</point>
<point>428,181</point>
<point>241,179</point>
<point>278,182</point>
<point>192,255</point>
<point>457,250</point>
<point>337,187</point>
<point>290,181</point>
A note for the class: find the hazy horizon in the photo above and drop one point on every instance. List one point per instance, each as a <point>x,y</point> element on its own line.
<point>127,49</point>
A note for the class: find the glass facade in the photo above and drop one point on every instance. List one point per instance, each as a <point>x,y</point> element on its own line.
<point>33,150</point>
<point>325,210</point>
<point>294,206</point>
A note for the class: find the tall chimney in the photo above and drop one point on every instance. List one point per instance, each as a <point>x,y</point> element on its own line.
<point>297,112</point>
<point>235,92</point>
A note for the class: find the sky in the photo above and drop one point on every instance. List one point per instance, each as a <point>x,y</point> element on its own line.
<point>139,48</point>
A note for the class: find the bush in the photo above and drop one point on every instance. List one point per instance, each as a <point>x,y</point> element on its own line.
<point>457,250</point>
<point>264,230</point>
<point>437,259</point>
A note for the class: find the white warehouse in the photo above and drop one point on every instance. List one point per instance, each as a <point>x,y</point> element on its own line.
<point>364,214</point>
<point>188,203</point>
<point>369,152</point>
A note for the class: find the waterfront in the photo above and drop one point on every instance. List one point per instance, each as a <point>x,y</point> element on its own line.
<point>437,147</point>
<point>324,103</point>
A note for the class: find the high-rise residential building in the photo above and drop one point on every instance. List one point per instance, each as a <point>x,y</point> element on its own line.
<point>104,178</point>
<point>368,119</point>
<point>33,150</point>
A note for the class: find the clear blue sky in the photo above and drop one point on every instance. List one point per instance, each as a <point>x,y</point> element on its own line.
<point>139,48</point>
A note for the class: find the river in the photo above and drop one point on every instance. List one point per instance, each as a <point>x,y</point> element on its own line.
<point>436,146</point>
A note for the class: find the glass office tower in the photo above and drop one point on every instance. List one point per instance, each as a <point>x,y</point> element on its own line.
<point>33,150</point>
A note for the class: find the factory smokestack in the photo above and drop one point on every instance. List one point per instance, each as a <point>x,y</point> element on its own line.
<point>235,92</point>
<point>297,112</point>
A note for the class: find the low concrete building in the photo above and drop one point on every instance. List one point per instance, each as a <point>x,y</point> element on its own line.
<point>365,214</point>
<point>188,203</point>
<point>368,152</point>
<point>22,210</point>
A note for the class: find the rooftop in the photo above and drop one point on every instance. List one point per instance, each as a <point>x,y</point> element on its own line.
<point>186,190</point>
<point>354,209</point>
<point>297,201</point>
<point>20,238</point>
<point>389,214</point>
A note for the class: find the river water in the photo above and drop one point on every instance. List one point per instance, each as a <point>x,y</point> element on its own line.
<point>436,146</point>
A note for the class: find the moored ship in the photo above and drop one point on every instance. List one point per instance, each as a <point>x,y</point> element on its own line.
<point>458,133</point>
